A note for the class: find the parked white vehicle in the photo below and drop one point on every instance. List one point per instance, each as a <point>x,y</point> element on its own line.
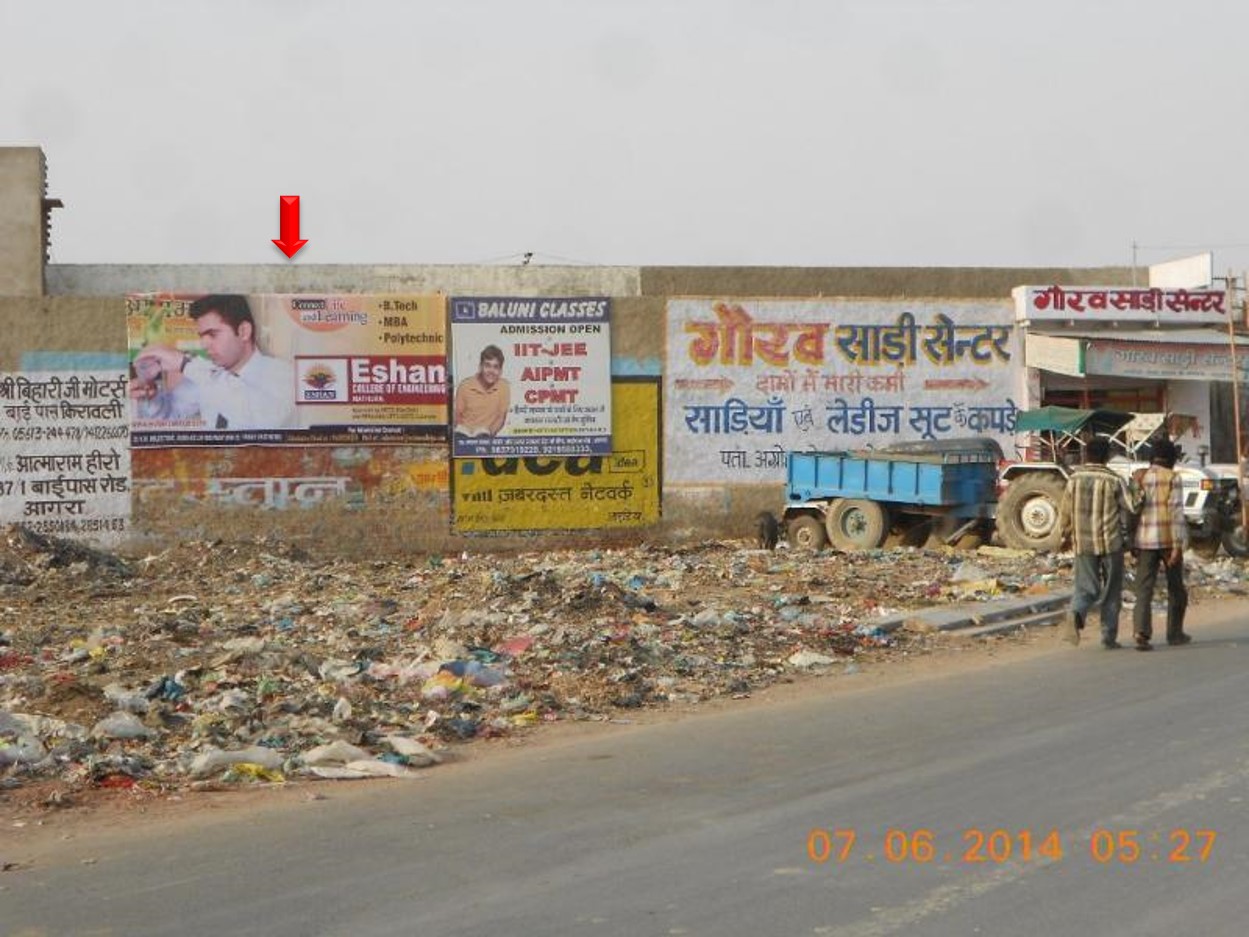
<point>1230,473</point>
<point>1211,498</point>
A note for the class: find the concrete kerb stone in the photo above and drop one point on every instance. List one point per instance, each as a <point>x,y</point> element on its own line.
<point>1044,619</point>
<point>989,617</point>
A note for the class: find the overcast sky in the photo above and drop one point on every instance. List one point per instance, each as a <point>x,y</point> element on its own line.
<point>805,132</point>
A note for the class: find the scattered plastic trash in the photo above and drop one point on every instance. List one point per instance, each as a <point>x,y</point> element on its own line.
<point>969,572</point>
<point>250,771</point>
<point>335,753</point>
<point>121,725</point>
<point>805,659</point>
<point>113,674</point>
<point>215,760</point>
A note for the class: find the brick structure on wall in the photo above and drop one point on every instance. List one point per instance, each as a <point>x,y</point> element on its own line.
<point>23,221</point>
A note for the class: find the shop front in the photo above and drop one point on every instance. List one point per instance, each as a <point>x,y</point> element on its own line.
<point>1133,349</point>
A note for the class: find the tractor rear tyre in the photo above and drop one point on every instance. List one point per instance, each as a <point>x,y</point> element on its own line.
<point>1234,541</point>
<point>1027,516</point>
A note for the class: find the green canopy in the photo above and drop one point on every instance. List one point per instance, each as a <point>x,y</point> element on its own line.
<point>1069,420</point>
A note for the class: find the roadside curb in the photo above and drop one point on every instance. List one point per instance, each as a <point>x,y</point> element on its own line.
<point>994,616</point>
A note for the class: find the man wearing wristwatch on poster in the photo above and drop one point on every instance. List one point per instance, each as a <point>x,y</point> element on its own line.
<point>236,386</point>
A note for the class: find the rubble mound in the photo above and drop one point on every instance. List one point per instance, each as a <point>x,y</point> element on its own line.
<point>24,554</point>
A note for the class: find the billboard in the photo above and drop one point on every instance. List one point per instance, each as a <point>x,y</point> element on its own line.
<point>532,376</point>
<point>617,490</point>
<point>746,381</point>
<point>1100,304</point>
<point>64,461</point>
<point>280,369</point>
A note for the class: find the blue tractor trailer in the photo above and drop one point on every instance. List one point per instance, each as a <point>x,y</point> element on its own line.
<point>853,499</point>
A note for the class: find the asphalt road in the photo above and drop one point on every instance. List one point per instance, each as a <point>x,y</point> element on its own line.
<point>1066,791</point>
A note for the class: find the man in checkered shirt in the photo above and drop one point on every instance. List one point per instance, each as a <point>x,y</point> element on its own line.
<point>1161,539</point>
<point>1094,513</point>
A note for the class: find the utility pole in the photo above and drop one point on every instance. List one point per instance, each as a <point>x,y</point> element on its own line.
<point>1232,311</point>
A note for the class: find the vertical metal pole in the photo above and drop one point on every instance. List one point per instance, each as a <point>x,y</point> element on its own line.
<point>1240,451</point>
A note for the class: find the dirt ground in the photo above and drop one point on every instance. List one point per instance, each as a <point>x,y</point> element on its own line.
<point>42,815</point>
<point>270,647</point>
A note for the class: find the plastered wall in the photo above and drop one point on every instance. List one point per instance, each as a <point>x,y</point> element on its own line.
<point>398,499</point>
<point>21,221</point>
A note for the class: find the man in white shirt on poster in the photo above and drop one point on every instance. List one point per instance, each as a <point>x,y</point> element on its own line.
<point>236,387</point>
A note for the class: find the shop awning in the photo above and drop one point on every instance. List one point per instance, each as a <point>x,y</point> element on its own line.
<point>1061,354</point>
<point>1157,354</point>
<point>1069,420</point>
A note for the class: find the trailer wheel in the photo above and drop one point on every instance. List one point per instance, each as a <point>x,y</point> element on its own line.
<point>856,524</point>
<point>1027,516</point>
<point>806,532</point>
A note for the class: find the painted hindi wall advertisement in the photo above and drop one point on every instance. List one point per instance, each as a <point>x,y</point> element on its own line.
<point>746,381</point>
<point>276,369</point>
<point>285,477</point>
<point>64,458</point>
<point>618,490</point>
<point>532,376</point>
<point>1170,361</point>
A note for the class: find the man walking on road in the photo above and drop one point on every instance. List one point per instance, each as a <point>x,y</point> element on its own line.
<point>1094,516</point>
<point>1161,538</point>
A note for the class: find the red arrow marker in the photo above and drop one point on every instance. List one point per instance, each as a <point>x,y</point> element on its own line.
<point>288,206</point>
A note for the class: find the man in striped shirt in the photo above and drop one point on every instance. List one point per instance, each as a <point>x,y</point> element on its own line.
<point>1094,516</point>
<point>1160,539</point>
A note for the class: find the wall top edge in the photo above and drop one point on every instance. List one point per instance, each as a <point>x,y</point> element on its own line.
<point>537,279</point>
<point>386,268</point>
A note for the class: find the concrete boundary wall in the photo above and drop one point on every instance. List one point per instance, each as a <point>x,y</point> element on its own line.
<point>848,282</point>
<point>516,280</point>
<point>83,313</point>
<point>533,280</point>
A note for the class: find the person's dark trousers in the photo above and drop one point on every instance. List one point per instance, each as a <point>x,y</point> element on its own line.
<point>1099,581</point>
<point>1177,594</point>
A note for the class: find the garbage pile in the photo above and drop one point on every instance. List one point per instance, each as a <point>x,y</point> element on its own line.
<point>216,663</point>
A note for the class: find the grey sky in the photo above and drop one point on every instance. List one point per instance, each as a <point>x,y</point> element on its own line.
<point>807,132</point>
